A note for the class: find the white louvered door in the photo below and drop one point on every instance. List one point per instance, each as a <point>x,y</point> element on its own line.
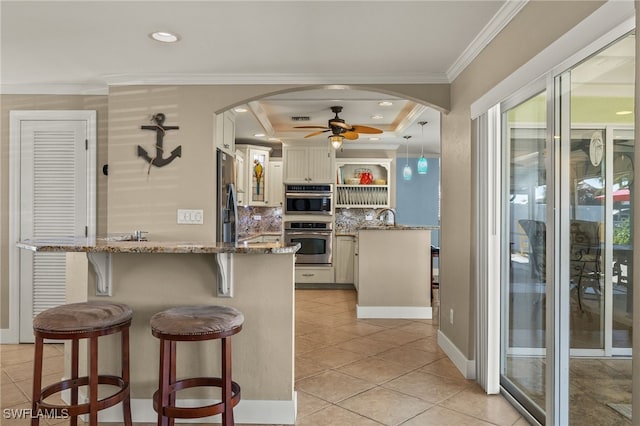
<point>53,203</point>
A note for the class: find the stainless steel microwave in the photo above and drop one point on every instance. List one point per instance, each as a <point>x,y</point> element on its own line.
<point>308,199</point>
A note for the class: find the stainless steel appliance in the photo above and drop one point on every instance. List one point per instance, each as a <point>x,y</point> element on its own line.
<point>226,210</point>
<point>308,199</point>
<point>315,239</point>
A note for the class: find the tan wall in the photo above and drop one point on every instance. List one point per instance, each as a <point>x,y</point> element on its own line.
<point>43,102</point>
<point>533,29</point>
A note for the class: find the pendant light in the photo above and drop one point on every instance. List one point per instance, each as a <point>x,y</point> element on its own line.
<point>423,166</point>
<point>406,172</point>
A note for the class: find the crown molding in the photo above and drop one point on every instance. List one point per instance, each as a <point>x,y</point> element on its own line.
<point>275,78</point>
<point>54,89</point>
<point>500,20</point>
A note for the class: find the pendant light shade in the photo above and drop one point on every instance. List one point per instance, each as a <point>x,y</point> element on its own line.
<point>407,173</point>
<point>423,166</point>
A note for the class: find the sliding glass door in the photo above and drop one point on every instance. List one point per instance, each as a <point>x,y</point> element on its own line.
<point>567,222</point>
<point>524,289</point>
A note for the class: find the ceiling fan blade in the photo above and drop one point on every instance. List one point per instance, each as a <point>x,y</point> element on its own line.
<point>310,127</point>
<point>319,132</point>
<point>350,135</point>
<point>365,129</point>
<point>340,124</point>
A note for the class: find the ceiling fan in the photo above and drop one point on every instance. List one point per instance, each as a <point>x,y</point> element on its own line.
<point>338,127</point>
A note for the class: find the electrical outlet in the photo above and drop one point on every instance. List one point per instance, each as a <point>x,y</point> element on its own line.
<point>368,217</point>
<point>451,316</point>
<point>190,217</point>
<point>257,217</point>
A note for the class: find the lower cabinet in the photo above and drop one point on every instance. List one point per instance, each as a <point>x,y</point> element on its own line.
<point>344,260</point>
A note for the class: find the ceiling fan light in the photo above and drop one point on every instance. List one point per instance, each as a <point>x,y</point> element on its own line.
<point>336,141</point>
<point>423,166</point>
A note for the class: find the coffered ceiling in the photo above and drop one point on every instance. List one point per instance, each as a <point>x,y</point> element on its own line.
<point>84,46</point>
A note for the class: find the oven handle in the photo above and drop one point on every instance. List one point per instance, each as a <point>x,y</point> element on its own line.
<point>287,233</point>
<point>308,195</point>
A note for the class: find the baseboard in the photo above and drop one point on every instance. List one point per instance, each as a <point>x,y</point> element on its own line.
<point>467,367</point>
<point>9,336</point>
<point>247,411</point>
<point>403,312</point>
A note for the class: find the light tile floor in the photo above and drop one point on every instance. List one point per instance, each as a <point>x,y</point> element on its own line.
<point>348,372</point>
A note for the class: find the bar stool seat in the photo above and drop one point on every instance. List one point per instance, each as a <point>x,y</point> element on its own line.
<point>195,323</point>
<point>76,321</point>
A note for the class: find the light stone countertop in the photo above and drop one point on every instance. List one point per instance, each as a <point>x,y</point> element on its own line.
<point>106,245</point>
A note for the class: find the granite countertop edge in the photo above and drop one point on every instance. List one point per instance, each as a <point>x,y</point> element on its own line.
<point>99,245</point>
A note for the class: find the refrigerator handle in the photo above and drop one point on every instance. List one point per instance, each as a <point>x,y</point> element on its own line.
<point>233,211</point>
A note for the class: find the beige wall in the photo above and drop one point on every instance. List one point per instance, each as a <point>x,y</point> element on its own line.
<point>148,202</point>
<point>43,102</point>
<point>533,29</point>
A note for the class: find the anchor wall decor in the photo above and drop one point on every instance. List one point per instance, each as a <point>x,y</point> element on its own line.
<point>160,130</point>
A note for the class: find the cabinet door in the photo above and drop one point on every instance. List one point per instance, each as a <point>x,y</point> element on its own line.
<point>295,165</point>
<point>241,178</point>
<point>226,132</point>
<point>320,164</point>
<point>276,187</point>
<point>257,163</point>
<point>344,260</point>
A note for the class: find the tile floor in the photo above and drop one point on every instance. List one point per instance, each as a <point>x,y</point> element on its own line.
<point>348,372</point>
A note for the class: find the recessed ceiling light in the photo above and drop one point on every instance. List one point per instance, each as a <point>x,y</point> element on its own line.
<point>273,139</point>
<point>377,117</point>
<point>258,135</point>
<point>164,36</point>
<point>385,103</point>
<point>240,109</point>
<point>624,112</point>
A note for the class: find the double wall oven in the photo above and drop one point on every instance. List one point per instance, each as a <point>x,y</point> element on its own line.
<point>315,239</point>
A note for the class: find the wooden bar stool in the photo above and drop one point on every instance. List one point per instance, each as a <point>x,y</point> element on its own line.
<point>74,322</point>
<point>191,324</point>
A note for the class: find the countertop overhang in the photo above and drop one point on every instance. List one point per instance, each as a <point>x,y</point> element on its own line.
<point>106,245</point>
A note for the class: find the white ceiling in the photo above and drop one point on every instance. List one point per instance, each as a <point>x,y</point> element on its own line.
<point>84,46</point>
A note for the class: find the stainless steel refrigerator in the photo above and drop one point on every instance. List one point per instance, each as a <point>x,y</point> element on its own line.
<point>226,209</point>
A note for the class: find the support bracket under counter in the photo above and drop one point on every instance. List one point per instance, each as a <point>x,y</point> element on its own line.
<point>101,263</point>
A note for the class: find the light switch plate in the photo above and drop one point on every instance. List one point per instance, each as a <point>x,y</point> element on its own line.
<point>190,217</point>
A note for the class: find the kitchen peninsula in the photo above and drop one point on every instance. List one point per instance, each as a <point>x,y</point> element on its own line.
<point>151,276</point>
<point>394,269</point>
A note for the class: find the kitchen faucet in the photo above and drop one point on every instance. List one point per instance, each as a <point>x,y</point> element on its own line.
<point>383,211</point>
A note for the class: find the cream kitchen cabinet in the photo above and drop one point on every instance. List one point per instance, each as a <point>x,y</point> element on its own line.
<point>276,187</point>
<point>344,259</point>
<point>241,178</point>
<point>226,132</point>
<point>308,163</point>
<point>374,194</point>
<point>256,174</point>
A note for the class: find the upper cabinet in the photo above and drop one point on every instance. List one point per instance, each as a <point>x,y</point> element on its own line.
<point>363,183</point>
<point>255,176</point>
<point>276,187</point>
<point>226,132</point>
<point>241,177</point>
<point>308,163</point>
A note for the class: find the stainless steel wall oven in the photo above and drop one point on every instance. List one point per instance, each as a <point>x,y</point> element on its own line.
<point>308,199</point>
<point>315,239</point>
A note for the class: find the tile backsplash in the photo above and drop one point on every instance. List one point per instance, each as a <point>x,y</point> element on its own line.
<point>258,220</point>
<point>350,220</point>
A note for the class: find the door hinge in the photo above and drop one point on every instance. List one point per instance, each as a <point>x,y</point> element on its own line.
<point>86,231</point>
<point>86,144</point>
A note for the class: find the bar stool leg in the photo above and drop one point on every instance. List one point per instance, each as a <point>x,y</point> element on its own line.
<point>37,381</point>
<point>126,403</point>
<point>75,349</point>
<point>227,414</point>
<point>93,381</point>
<point>163,385</point>
<point>172,377</point>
